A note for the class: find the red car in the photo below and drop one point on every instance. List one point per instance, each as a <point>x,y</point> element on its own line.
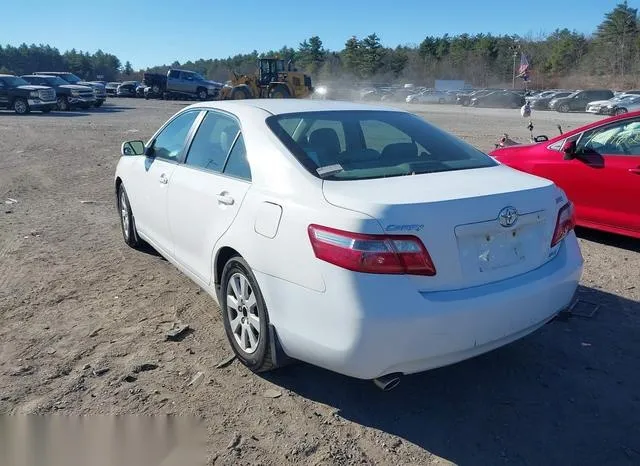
<point>598,167</point>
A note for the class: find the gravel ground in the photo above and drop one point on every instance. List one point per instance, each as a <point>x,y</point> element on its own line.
<point>84,321</point>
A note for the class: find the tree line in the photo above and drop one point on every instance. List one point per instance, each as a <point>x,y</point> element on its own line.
<point>610,56</point>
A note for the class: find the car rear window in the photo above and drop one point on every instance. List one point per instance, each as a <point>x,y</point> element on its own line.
<point>352,145</point>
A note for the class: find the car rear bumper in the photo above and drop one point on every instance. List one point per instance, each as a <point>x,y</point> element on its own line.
<point>366,325</point>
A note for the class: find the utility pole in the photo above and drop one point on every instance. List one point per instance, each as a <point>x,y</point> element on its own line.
<point>515,47</point>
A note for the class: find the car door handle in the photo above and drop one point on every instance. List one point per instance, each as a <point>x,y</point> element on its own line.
<point>224,198</point>
<point>164,179</point>
<point>635,171</point>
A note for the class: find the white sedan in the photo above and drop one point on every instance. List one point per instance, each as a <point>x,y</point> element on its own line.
<point>357,238</point>
<point>428,96</point>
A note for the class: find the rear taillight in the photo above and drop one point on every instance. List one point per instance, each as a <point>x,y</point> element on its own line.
<point>566,222</point>
<point>391,254</point>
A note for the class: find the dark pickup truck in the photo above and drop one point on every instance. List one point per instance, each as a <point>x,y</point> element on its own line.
<point>68,96</point>
<point>18,95</point>
<point>101,93</point>
<point>182,83</point>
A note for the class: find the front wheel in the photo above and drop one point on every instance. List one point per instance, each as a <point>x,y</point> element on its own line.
<point>564,108</point>
<point>202,94</point>
<point>63,104</point>
<point>280,92</point>
<point>127,221</point>
<point>20,106</point>
<point>245,317</point>
<point>620,111</point>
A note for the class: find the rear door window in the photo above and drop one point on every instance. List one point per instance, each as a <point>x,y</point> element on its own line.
<point>213,142</point>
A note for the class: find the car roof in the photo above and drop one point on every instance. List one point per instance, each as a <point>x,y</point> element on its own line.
<point>283,106</point>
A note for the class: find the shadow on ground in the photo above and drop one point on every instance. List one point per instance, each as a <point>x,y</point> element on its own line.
<point>609,239</point>
<point>568,394</point>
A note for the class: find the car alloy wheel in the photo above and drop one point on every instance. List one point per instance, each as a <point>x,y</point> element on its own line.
<point>21,107</point>
<point>124,215</point>
<point>242,309</point>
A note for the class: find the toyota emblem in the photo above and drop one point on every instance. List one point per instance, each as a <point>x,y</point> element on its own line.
<point>508,216</point>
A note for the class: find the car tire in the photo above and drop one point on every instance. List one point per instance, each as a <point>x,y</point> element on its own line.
<point>21,106</point>
<point>244,309</point>
<point>564,108</point>
<point>63,104</point>
<point>46,109</point>
<point>620,111</point>
<point>280,91</point>
<point>202,94</point>
<point>98,104</point>
<point>240,93</point>
<point>127,220</point>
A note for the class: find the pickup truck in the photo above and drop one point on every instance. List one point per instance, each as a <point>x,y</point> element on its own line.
<point>183,83</point>
<point>101,93</point>
<point>69,96</point>
<point>18,95</point>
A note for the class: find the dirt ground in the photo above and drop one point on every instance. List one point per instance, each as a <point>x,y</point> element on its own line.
<point>84,318</point>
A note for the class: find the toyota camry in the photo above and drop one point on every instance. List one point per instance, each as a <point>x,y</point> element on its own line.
<point>358,238</point>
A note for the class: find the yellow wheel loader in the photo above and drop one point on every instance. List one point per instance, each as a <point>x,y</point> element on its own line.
<point>273,80</point>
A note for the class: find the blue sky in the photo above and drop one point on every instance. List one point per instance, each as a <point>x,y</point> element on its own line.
<point>148,33</point>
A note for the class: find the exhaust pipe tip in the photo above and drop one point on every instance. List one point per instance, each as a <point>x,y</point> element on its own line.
<point>388,382</point>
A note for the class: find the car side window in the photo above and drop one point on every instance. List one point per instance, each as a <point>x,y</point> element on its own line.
<point>621,138</point>
<point>212,142</point>
<point>237,165</point>
<point>170,142</point>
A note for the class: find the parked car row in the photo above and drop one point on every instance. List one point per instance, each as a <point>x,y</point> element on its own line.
<point>126,89</point>
<point>47,91</point>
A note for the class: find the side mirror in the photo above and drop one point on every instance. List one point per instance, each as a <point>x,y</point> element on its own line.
<point>132,148</point>
<point>569,149</point>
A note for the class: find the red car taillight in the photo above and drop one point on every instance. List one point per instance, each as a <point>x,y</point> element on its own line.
<point>566,222</point>
<point>391,254</point>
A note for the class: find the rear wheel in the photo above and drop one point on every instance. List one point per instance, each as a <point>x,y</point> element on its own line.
<point>20,106</point>
<point>245,317</point>
<point>280,91</point>
<point>240,93</point>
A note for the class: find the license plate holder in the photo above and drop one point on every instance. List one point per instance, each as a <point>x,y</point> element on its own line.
<point>497,250</point>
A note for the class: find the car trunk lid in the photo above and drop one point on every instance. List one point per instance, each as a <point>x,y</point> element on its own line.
<point>456,215</point>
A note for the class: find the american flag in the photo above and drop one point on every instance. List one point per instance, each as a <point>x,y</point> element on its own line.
<point>524,66</point>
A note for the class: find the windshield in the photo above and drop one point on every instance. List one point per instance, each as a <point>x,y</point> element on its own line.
<point>352,145</point>
<point>14,81</point>
<point>55,81</point>
<point>71,78</point>
<point>197,77</point>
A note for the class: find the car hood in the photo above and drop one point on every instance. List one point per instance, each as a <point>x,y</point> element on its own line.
<point>213,83</point>
<point>75,87</point>
<point>33,87</point>
<point>599,102</point>
<point>90,84</point>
